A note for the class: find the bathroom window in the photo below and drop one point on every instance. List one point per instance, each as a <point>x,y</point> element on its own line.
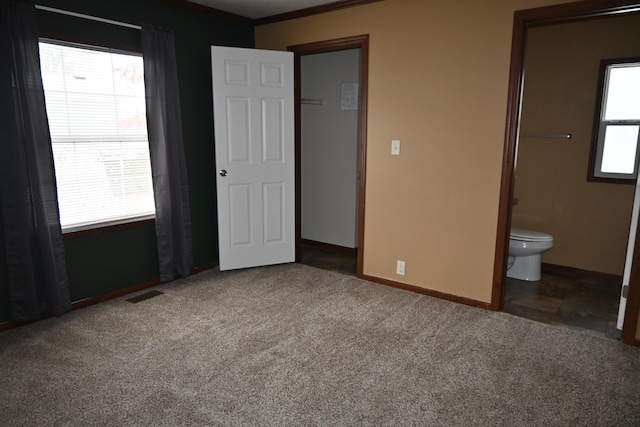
<point>615,142</point>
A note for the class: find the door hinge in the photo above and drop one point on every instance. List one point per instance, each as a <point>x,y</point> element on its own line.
<point>625,291</point>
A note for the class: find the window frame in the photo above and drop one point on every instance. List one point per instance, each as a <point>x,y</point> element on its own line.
<point>600,126</point>
<point>112,224</point>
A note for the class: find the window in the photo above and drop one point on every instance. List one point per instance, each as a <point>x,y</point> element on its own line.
<point>95,103</point>
<point>615,141</point>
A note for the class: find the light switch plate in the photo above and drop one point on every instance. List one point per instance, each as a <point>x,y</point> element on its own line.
<point>395,147</point>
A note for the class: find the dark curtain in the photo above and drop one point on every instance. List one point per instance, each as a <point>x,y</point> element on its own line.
<point>168,166</point>
<point>35,252</point>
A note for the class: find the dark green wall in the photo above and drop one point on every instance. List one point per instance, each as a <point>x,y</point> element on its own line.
<point>102,263</point>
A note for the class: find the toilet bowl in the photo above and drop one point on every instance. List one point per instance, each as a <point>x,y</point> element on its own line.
<point>525,253</point>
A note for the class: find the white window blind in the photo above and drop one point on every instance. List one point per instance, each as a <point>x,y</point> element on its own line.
<point>96,108</point>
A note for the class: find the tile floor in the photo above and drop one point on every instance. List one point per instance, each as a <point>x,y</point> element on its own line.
<point>588,305</point>
<point>329,260</point>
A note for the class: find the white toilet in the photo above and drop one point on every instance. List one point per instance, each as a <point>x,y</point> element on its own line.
<point>525,253</point>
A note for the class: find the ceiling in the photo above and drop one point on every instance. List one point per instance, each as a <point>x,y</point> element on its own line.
<point>260,8</point>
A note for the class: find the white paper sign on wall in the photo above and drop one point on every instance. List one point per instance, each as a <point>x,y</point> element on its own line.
<point>349,97</point>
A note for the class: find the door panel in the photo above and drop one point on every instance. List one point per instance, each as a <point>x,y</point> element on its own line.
<point>273,212</point>
<point>240,214</point>
<point>239,130</point>
<point>253,114</point>
<point>273,132</point>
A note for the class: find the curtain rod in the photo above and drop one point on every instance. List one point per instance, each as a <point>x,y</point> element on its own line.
<point>92,18</point>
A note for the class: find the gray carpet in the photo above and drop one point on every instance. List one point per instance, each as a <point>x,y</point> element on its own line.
<point>297,346</point>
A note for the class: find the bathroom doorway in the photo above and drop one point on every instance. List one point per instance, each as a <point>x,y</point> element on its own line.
<point>534,209</point>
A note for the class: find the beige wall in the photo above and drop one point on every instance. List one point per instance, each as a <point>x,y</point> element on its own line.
<point>589,220</point>
<point>438,78</point>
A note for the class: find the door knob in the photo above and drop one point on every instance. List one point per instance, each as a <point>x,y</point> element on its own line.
<point>223,172</point>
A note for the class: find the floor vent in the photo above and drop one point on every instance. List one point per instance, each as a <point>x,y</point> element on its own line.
<point>145,296</point>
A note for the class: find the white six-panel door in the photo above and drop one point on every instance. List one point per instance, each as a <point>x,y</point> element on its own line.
<point>254,134</point>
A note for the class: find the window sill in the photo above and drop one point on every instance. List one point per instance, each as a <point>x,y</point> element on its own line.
<point>628,181</point>
<point>105,227</point>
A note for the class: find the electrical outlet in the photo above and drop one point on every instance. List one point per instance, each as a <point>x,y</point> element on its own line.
<point>400,268</point>
<point>395,147</point>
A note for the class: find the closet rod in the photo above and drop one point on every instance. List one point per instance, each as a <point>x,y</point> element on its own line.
<point>92,18</point>
<point>562,136</point>
<point>312,101</point>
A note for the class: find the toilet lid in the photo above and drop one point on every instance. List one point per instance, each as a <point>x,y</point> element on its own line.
<point>530,235</point>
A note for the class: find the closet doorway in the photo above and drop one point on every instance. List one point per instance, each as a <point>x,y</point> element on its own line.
<point>330,117</point>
